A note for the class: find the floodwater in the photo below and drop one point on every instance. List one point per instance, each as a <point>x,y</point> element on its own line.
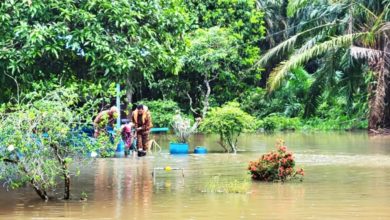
<point>346,177</point>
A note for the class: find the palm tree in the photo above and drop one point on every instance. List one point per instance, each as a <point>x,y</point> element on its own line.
<point>334,31</point>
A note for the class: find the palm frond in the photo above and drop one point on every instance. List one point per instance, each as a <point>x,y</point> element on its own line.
<point>294,5</point>
<point>385,27</point>
<point>364,11</point>
<point>365,53</point>
<point>279,73</point>
<point>387,9</point>
<point>287,45</point>
<point>284,46</point>
<point>309,44</point>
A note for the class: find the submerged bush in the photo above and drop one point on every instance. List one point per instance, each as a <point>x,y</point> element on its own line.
<point>275,166</point>
<point>229,121</point>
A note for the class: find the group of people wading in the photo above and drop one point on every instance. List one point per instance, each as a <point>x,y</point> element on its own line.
<point>139,127</point>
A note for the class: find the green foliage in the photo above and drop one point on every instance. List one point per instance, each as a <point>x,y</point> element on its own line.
<point>162,111</point>
<point>341,46</point>
<point>97,39</point>
<point>222,45</point>
<point>318,53</point>
<point>229,121</point>
<point>332,115</point>
<point>41,138</point>
<point>212,51</point>
<point>211,56</point>
<point>289,100</point>
<point>280,123</point>
<point>295,5</point>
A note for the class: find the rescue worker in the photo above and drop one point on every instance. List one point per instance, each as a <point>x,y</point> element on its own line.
<point>143,123</point>
<point>104,119</point>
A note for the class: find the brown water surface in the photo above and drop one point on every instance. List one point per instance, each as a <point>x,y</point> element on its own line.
<point>347,177</point>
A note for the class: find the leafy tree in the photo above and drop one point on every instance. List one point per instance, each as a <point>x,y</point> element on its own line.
<point>229,121</point>
<point>243,28</point>
<point>211,54</point>
<point>98,40</point>
<point>41,138</point>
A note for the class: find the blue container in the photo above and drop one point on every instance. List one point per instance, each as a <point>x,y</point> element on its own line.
<point>159,130</point>
<point>200,150</point>
<point>120,147</point>
<point>178,148</point>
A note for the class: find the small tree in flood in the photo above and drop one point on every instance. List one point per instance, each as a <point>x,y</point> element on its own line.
<point>41,139</point>
<point>229,121</point>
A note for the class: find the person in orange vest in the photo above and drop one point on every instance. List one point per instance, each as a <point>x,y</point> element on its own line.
<point>143,123</point>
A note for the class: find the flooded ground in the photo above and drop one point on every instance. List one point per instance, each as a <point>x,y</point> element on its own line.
<point>347,177</point>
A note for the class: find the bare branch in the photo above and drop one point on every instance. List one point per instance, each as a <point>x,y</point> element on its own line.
<point>191,108</point>
<point>17,86</point>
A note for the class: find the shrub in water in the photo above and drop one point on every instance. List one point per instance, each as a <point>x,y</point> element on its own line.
<point>275,166</point>
<point>229,121</point>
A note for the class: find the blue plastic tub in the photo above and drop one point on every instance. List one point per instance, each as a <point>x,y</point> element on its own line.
<point>200,150</point>
<point>120,147</point>
<point>178,148</point>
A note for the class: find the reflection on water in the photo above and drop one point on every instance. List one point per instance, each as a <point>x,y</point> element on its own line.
<point>347,178</point>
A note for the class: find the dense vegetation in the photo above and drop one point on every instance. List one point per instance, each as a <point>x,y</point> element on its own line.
<point>292,64</point>
<point>42,137</point>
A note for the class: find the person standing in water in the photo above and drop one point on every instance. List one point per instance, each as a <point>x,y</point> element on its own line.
<point>128,135</point>
<point>142,121</point>
<point>103,119</point>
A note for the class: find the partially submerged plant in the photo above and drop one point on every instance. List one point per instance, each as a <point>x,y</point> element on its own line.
<point>183,128</point>
<point>229,121</point>
<point>40,139</point>
<point>275,166</point>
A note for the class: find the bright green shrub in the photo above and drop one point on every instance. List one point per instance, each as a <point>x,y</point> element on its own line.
<point>229,121</point>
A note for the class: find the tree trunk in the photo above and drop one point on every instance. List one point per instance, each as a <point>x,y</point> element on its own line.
<point>41,193</point>
<point>232,145</point>
<point>67,186</point>
<point>129,90</point>
<point>65,173</point>
<point>379,107</point>
<point>386,118</point>
<point>221,142</point>
<point>206,103</point>
<point>191,108</point>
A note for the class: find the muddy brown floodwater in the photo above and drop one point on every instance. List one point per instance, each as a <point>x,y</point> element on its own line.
<point>347,177</point>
